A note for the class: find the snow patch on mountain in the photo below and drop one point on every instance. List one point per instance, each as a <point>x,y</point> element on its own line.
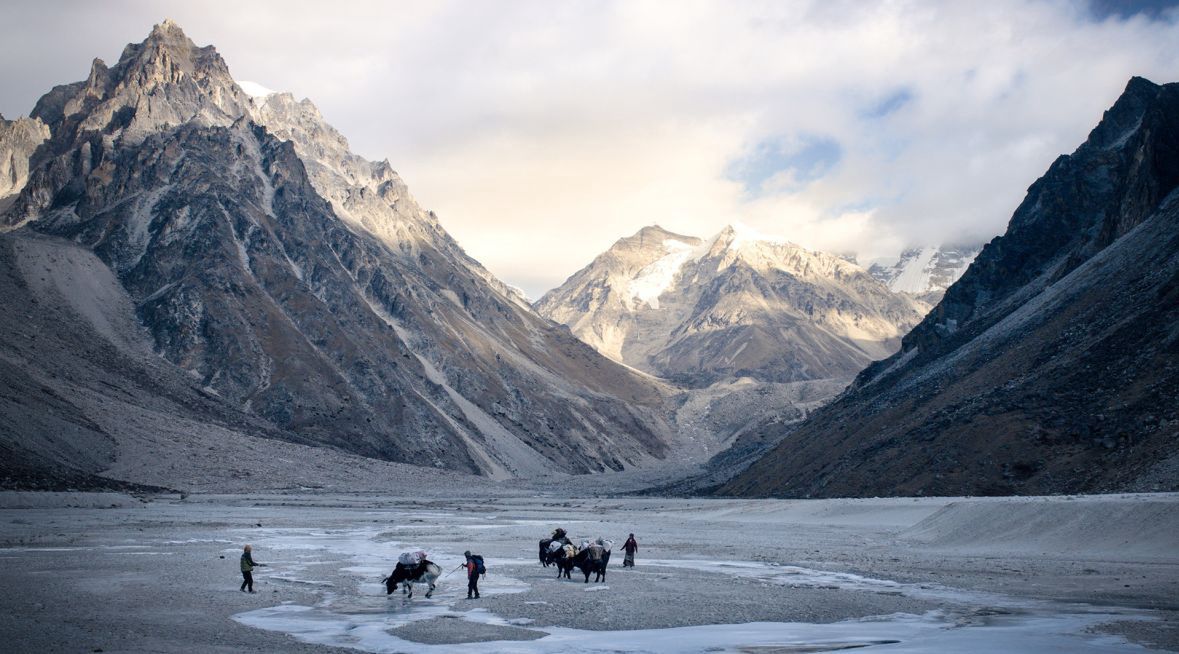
<point>657,277</point>
<point>914,277</point>
<point>698,311</point>
<point>925,272</point>
<point>254,89</point>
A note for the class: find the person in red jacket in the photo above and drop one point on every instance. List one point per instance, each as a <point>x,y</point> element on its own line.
<point>472,575</point>
<point>630,546</point>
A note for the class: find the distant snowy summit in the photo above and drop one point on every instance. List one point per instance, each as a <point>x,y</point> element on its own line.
<point>925,272</point>
<point>697,311</point>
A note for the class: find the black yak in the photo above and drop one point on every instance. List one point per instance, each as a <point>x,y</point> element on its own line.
<point>425,573</point>
<point>593,560</point>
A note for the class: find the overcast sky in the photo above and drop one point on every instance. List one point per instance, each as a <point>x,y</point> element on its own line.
<point>541,132</point>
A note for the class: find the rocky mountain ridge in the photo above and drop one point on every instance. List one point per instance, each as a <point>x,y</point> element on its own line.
<point>302,286</point>
<point>1051,366</point>
<point>699,311</point>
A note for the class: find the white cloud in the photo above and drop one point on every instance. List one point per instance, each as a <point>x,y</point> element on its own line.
<point>541,132</point>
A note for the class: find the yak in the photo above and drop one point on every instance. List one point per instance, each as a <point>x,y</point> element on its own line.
<point>546,559</point>
<point>547,555</point>
<point>563,558</point>
<point>425,573</point>
<point>592,560</point>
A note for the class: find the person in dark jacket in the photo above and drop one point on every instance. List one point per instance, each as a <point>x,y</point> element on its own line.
<point>472,575</point>
<point>248,566</point>
<point>630,546</point>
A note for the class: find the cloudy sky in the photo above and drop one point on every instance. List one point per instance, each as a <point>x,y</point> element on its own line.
<point>541,132</point>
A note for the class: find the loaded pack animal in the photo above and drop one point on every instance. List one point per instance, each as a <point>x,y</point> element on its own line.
<point>563,558</point>
<point>593,560</point>
<point>546,558</point>
<point>425,573</point>
<point>549,554</point>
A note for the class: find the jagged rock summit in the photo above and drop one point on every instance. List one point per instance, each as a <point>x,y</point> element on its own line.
<point>698,311</point>
<point>1051,366</point>
<point>163,82</point>
<point>296,289</point>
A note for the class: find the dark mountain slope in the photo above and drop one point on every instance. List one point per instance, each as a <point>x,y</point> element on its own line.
<point>1051,366</point>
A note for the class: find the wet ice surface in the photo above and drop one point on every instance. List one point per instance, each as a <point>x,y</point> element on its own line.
<point>896,633</point>
<point>365,619</point>
<point>756,577</point>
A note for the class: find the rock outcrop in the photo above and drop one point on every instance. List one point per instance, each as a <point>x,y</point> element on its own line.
<point>18,140</point>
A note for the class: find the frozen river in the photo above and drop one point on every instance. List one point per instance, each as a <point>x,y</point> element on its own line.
<point>888,575</point>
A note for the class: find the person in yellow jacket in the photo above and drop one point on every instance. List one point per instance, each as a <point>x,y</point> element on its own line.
<point>248,565</point>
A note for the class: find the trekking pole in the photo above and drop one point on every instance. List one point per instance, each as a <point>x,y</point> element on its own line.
<point>452,571</point>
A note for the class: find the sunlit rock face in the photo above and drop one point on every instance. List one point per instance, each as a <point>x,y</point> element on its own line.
<point>302,285</point>
<point>697,311</point>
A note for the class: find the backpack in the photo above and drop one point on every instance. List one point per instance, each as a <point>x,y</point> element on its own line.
<point>478,561</point>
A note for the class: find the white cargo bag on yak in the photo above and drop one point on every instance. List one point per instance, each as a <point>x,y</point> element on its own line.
<point>411,559</point>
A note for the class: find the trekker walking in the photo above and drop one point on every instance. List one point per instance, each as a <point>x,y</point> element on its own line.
<point>248,565</point>
<point>630,546</point>
<point>474,566</point>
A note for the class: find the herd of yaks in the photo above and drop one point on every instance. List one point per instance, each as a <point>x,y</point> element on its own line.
<point>591,558</point>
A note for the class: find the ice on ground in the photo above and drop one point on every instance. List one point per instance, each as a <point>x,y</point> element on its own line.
<point>903,633</point>
<point>842,560</point>
<point>367,621</point>
<point>781,574</point>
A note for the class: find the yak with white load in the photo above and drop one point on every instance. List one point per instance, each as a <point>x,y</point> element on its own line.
<point>412,568</point>
<point>550,547</point>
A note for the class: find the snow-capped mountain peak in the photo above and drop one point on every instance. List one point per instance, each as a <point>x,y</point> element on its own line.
<point>657,277</point>
<point>698,310</point>
<point>925,272</point>
<point>254,89</point>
